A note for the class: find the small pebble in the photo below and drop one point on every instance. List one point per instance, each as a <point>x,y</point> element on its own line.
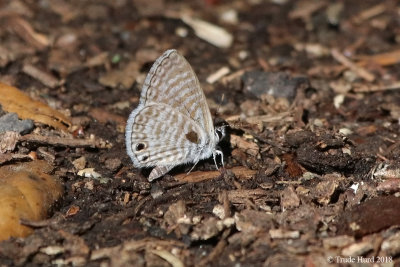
<point>156,191</point>
<point>113,164</point>
<point>79,163</point>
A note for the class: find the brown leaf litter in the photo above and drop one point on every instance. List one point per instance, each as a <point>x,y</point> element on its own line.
<point>14,100</point>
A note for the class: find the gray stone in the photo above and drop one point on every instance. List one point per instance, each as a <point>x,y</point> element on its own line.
<point>10,122</point>
<point>277,84</point>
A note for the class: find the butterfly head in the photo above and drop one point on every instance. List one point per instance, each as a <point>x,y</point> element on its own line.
<point>219,133</point>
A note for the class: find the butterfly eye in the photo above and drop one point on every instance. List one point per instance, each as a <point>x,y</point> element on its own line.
<point>140,146</point>
<point>220,132</point>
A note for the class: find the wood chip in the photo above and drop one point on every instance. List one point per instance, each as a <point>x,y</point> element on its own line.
<point>389,186</point>
<point>324,191</point>
<point>21,27</point>
<point>306,9</point>
<point>206,230</point>
<point>43,77</point>
<point>375,88</point>
<point>57,62</point>
<point>283,234</point>
<point>97,60</point>
<point>8,157</point>
<point>8,140</point>
<point>197,176</point>
<point>124,77</point>
<point>216,76</point>
<point>252,221</point>
<point>337,241</point>
<point>388,171</point>
<point>391,245</point>
<point>6,56</point>
<point>240,196</point>
<point>289,198</point>
<point>358,249</point>
<point>281,117</point>
<point>247,146</point>
<point>243,173</point>
<point>104,116</point>
<point>369,13</point>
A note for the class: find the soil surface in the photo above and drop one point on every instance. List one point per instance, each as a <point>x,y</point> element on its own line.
<point>308,92</point>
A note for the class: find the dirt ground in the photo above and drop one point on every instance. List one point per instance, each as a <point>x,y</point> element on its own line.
<point>309,89</point>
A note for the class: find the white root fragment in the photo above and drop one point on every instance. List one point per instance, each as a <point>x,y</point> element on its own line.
<point>211,33</point>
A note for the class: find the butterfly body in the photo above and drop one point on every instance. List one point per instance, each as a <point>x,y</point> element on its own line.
<point>172,124</point>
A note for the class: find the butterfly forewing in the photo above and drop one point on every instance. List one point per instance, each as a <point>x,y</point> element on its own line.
<point>172,81</point>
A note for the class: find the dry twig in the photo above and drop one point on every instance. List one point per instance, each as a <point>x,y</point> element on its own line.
<point>376,88</point>
<point>348,63</point>
<point>65,142</point>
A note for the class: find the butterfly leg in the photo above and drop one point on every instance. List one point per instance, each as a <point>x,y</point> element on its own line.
<point>194,165</point>
<point>215,153</point>
<point>158,171</point>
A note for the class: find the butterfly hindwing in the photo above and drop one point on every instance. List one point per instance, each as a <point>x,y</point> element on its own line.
<point>160,136</point>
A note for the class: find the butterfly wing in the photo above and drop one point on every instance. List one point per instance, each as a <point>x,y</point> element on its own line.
<point>172,124</point>
<point>159,135</point>
<point>172,81</point>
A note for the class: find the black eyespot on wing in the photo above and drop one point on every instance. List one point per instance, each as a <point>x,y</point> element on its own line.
<point>145,158</point>
<point>140,146</point>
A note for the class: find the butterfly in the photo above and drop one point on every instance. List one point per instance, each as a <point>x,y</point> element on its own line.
<point>172,124</point>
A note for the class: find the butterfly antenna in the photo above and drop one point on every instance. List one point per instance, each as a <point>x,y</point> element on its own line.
<point>220,104</point>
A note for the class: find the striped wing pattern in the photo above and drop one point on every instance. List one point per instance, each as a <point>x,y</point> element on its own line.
<point>172,124</point>
<point>172,81</point>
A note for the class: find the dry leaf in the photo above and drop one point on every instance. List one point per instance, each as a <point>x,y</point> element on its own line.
<point>13,100</point>
<point>384,59</point>
<point>26,192</point>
